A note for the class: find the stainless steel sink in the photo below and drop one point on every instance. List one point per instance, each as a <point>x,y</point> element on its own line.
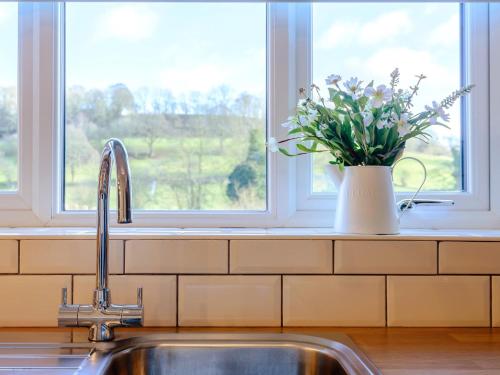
<point>228,354</point>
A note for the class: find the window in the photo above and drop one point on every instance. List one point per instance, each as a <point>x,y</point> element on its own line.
<point>195,89</point>
<point>369,41</point>
<point>8,98</point>
<point>184,86</point>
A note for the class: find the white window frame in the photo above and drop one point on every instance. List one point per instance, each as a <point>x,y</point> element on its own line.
<point>38,201</point>
<point>475,110</point>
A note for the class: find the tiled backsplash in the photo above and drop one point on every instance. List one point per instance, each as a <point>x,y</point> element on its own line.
<point>261,282</point>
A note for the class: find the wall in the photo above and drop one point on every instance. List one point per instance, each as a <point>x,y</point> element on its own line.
<point>262,282</point>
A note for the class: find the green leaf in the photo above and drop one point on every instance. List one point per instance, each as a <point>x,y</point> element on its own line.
<point>284,151</point>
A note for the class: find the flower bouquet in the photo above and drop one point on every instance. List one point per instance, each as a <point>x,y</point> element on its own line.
<point>359,125</point>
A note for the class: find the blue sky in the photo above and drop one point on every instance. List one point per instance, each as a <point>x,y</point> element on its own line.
<point>197,46</point>
<point>370,40</point>
<point>8,44</point>
<point>181,47</point>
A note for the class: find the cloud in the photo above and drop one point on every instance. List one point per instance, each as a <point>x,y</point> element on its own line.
<point>382,28</point>
<point>132,22</point>
<point>246,75</point>
<point>385,26</point>
<point>7,11</point>
<point>447,34</point>
<point>411,62</point>
<point>337,33</point>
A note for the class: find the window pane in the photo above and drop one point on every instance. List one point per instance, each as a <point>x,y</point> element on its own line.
<point>183,85</point>
<point>8,97</point>
<point>368,41</point>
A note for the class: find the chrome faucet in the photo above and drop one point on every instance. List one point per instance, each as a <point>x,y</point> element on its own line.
<point>102,316</point>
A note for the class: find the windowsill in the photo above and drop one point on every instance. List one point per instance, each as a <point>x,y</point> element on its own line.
<point>245,233</point>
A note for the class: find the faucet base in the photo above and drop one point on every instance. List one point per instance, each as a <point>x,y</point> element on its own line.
<point>101,332</point>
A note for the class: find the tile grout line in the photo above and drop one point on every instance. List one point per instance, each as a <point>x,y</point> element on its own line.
<point>437,257</point>
<point>228,257</point>
<point>18,257</point>
<point>333,257</point>
<point>123,250</point>
<point>491,301</point>
<point>386,300</point>
<point>281,301</point>
<point>177,301</point>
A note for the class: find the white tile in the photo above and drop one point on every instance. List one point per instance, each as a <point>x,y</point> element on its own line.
<point>385,257</point>
<point>9,256</point>
<point>176,256</point>
<point>469,257</point>
<point>230,301</point>
<point>31,301</point>
<point>281,256</point>
<point>438,301</point>
<point>159,295</point>
<point>334,301</point>
<point>67,256</point>
<point>495,301</point>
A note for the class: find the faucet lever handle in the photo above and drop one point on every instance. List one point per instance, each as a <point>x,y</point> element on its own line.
<point>139,297</point>
<point>64,296</point>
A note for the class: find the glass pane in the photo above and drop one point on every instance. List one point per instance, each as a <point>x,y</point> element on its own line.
<point>8,97</point>
<point>370,40</point>
<point>183,85</point>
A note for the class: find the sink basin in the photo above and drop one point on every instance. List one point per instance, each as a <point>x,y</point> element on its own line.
<point>228,354</point>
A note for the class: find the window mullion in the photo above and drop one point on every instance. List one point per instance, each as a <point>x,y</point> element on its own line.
<point>45,118</point>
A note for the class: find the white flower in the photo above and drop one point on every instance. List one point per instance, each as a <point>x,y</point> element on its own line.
<point>367,118</point>
<point>381,124</point>
<point>333,79</point>
<point>311,116</point>
<point>301,102</point>
<point>329,104</point>
<point>438,112</point>
<point>403,130</point>
<point>272,145</point>
<point>321,128</point>
<point>379,95</point>
<point>402,123</point>
<point>353,87</point>
<point>290,123</point>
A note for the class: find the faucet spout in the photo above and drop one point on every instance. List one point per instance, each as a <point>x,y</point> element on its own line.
<point>114,150</point>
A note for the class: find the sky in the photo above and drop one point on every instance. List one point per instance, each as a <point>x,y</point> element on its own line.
<point>198,46</point>
<point>180,47</point>
<point>8,44</point>
<point>372,40</point>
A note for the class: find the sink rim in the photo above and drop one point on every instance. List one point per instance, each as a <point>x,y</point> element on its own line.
<point>339,346</point>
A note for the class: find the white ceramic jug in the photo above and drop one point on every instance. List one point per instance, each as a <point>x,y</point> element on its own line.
<point>365,202</point>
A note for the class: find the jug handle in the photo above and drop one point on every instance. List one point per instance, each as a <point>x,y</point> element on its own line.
<point>421,185</point>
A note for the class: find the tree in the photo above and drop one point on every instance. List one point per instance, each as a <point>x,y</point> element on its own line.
<point>79,151</point>
<point>95,108</point>
<point>246,178</point>
<point>121,101</point>
<point>8,112</point>
<point>242,177</point>
<point>152,128</point>
<point>248,106</point>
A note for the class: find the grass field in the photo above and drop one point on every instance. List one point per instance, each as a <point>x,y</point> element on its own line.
<point>193,173</point>
<point>442,173</point>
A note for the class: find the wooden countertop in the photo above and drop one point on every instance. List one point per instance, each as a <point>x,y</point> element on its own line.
<point>395,351</point>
